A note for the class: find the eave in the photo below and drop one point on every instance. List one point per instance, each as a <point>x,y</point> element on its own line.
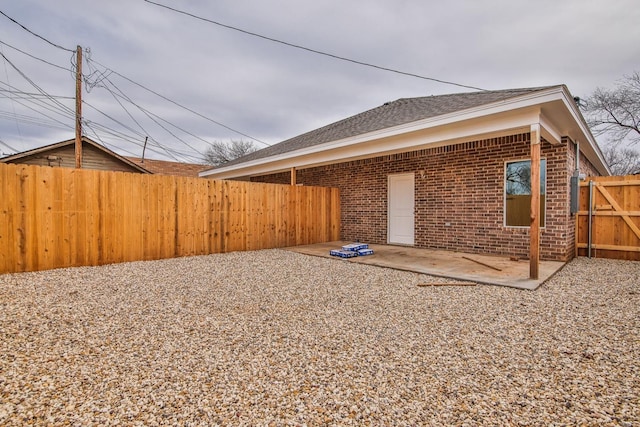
<point>552,109</point>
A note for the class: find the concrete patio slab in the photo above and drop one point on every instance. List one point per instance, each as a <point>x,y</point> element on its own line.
<point>484,269</point>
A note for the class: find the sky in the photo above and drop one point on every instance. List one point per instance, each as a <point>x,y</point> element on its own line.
<point>185,82</point>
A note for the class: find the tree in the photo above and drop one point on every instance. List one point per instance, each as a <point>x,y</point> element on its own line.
<point>220,152</point>
<point>622,160</point>
<point>616,112</point>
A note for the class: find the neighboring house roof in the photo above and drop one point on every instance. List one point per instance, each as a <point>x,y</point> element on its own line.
<point>42,153</point>
<point>378,131</point>
<point>162,167</point>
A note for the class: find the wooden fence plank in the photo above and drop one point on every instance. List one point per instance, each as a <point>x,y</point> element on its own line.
<point>57,217</point>
<point>611,247</point>
<point>615,218</point>
<point>616,206</point>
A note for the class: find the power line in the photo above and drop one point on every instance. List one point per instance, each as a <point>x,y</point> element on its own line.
<point>40,101</point>
<point>319,52</point>
<point>101,141</point>
<point>13,107</point>
<point>95,78</point>
<point>8,146</point>
<point>182,106</point>
<point>115,134</point>
<point>16,116</point>
<point>31,32</point>
<point>35,95</point>
<point>121,135</point>
<point>148,114</point>
<point>64,107</point>
<point>31,120</point>
<point>42,104</point>
<point>34,57</point>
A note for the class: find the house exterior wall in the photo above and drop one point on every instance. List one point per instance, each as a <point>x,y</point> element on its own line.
<point>585,167</point>
<point>459,203</point>
<point>92,158</point>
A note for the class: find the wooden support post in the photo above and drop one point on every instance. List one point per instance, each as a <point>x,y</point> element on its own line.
<point>78,144</point>
<point>534,229</point>
<point>293,176</point>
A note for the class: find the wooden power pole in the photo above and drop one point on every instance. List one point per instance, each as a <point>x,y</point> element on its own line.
<point>78,145</point>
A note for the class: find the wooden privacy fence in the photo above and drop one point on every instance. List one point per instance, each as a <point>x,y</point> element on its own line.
<point>58,217</point>
<point>614,217</point>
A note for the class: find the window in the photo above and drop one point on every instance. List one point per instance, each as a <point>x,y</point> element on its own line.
<point>518,193</point>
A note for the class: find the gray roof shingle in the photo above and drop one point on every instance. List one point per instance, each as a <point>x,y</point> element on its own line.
<point>401,111</point>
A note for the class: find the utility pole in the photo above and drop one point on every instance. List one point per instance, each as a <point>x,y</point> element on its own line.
<point>78,145</point>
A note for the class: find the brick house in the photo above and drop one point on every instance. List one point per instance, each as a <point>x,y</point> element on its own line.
<point>446,172</point>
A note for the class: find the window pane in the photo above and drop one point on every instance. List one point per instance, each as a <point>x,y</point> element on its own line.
<point>518,193</point>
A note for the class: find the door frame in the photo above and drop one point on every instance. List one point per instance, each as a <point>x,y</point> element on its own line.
<point>390,177</point>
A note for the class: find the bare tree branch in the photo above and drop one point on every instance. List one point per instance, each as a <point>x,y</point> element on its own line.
<point>616,112</point>
<point>221,152</point>
<point>622,160</point>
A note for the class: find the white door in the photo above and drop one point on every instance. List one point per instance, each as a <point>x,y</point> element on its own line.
<point>401,199</point>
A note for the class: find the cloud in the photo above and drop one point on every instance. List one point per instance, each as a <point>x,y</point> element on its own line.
<point>273,92</point>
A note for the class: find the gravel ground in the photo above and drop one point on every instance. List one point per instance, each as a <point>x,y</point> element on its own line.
<point>278,338</point>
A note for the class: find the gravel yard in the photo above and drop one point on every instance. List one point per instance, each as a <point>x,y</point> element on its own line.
<point>278,338</point>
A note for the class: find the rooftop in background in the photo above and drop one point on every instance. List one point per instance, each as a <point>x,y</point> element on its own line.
<point>62,154</point>
<point>162,167</point>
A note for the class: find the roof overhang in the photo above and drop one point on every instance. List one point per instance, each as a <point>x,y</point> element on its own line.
<point>553,110</point>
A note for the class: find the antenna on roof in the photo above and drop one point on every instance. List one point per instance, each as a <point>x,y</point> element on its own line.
<point>144,147</point>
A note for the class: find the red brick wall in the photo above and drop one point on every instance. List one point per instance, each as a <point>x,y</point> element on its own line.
<point>463,187</point>
<point>585,168</point>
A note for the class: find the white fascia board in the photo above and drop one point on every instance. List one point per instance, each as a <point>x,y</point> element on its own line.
<point>409,141</point>
<point>586,134</point>
<point>323,152</point>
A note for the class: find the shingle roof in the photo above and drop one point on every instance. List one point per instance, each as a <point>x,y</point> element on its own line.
<point>162,167</point>
<point>401,111</point>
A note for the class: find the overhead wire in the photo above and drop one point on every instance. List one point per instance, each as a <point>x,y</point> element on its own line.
<point>104,77</point>
<point>181,106</point>
<point>25,95</point>
<point>101,141</point>
<point>43,93</point>
<point>316,51</point>
<point>43,123</point>
<point>89,84</point>
<point>141,135</point>
<point>38,88</point>
<point>40,101</point>
<point>150,116</point>
<point>13,107</point>
<point>94,78</point>
<point>177,156</point>
<point>115,134</point>
<point>35,34</point>
<point>33,56</point>
<point>8,146</point>
<point>32,120</point>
